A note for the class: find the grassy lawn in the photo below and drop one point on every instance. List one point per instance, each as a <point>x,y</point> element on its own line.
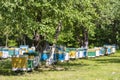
<point>100,68</point>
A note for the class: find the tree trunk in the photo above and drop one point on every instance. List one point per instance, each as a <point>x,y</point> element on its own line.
<point>115,30</point>
<point>79,39</point>
<point>85,38</point>
<point>6,44</point>
<point>58,29</point>
<point>24,39</point>
<point>36,41</point>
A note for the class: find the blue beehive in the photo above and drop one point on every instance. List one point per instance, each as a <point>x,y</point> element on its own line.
<point>44,56</point>
<point>84,52</point>
<point>16,51</point>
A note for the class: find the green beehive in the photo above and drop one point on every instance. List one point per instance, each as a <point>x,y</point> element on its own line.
<point>26,62</point>
<point>31,58</point>
<point>91,53</point>
<point>11,51</point>
<point>67,49</point>
<point>30,65</point>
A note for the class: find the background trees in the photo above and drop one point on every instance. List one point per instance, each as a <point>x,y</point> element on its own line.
<point>93,22</point>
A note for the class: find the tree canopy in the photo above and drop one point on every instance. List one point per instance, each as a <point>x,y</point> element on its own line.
<point>83,22</point>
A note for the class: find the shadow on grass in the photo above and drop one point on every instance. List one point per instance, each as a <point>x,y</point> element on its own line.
<point>108,60</point>
<point>115,55</point>
<point>72,63</point>
<point>65,66</point>
<point>113,58</point>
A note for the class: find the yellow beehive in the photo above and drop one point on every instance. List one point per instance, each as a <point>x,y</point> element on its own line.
<point>1,54</point>
<point>72,53</point>
<point>19,62</point>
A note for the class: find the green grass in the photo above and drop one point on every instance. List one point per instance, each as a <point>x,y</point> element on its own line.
<point>100,68</point>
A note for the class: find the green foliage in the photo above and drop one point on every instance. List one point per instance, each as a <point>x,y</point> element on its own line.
<point>19,18</point>
<point>12,43</point>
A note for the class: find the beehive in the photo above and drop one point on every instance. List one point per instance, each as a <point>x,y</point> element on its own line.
<point>19,63</point>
